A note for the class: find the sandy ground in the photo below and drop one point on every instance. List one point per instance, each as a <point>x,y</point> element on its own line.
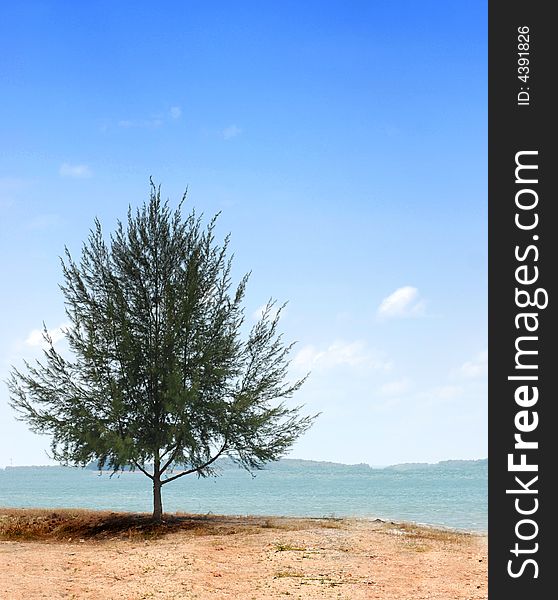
<point>253,559</point>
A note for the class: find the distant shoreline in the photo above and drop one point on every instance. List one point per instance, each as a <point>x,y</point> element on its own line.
<point>301,461</point>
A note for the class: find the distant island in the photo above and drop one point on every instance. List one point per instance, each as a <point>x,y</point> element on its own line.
<point>227,463</point>
<point>481,462</point>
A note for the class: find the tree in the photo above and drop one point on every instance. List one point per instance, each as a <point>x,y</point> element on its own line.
<point>160,375</point>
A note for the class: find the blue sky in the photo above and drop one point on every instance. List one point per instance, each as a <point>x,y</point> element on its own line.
<point>345,144</point>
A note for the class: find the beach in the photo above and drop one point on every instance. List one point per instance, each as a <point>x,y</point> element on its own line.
<point>106,556</point>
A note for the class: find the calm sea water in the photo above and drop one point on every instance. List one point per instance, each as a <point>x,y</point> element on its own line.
<point>452,494</point>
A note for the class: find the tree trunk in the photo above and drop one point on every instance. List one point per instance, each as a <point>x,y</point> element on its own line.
<point>157,502</point>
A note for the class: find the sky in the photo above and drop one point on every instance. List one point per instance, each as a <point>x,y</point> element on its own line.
<point>345,144</point>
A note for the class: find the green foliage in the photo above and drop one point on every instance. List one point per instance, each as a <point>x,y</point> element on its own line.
<point>160,374</point>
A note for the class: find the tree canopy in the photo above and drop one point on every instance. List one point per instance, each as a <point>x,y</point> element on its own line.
<point>160,374</point>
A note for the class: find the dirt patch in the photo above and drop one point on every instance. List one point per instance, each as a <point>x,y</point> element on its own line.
<point>110,556</point>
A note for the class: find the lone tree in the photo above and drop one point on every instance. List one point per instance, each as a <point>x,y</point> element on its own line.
<point>160,375</point>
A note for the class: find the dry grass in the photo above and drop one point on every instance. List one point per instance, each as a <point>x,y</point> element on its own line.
<point>82,525</point>
<point>422,538</point>
<point>289,548</point>
<point>424,532</point>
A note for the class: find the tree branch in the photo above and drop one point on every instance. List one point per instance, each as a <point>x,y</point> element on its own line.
<point>172,456</point>
<point>196,469</point>
<point>136,464</point>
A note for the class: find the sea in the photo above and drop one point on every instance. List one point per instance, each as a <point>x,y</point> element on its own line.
<point>450,493</point>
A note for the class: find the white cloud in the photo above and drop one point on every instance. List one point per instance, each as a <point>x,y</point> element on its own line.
<point>340,353</point>
<point>154,122</point>
<point>75,171</point>
<point>141,124</point>
<point>476,368</point>
<point>447,392</point>
<point>231,131</point>
<point>386,405</point>
<point>404,302</point>
<point>175,112</point>
<point>35,338</point>
<point>393,388</point>
<point>442,394</point>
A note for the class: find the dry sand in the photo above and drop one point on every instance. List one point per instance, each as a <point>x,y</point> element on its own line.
<point>243,558</point>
